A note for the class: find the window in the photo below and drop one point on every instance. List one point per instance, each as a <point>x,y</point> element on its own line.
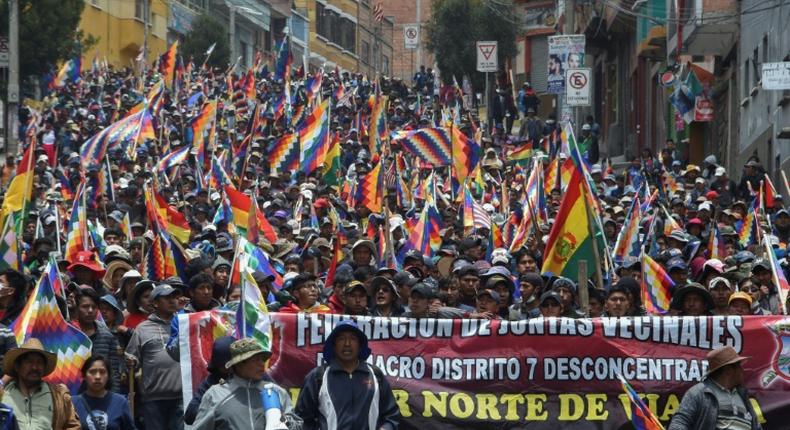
<point>348,33</point>
<point>364,51</point>
<point>139,9</point>
<point>243,54</point>
<point>335,28</point>
<point>385,65</point>
<point>320,19</point>
<point>765,49</point>
<point>755,68</point>
<point>747,83</point>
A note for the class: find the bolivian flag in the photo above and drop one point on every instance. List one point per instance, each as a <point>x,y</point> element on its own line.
<point>331,166</point>
<point>521,154</point>
<point>21,187</point>
<point>176,223</point>
<point>569,240</point>
<point>241,205</point>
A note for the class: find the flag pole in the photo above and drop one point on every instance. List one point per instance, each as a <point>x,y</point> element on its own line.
<point>233,264</point>
<point>784,178</point>
<point>57,226</point>
<point>109,178</point>
<point>591,231</point>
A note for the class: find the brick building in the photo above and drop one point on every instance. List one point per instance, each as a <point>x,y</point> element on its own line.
<point>404,12</point>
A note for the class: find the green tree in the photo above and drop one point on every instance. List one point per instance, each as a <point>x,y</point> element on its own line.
<point>48,33</point>
<point>456,25</point>
<point>207,30</point>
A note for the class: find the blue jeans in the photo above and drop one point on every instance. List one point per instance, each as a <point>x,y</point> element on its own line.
<point>163,415</point>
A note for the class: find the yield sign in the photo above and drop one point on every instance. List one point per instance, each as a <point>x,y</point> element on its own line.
<point>487,50</point>
<point>486,56</point>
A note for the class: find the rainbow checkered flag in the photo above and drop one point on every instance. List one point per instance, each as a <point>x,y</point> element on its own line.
<point>641,416</point>
<point>656,287</point>
<point>41,319</point>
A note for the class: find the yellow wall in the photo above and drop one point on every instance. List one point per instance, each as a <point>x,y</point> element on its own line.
<point>320,46</point>
<point>119,34</point>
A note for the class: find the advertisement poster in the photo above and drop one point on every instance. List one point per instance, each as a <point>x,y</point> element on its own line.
<point>565,52</point>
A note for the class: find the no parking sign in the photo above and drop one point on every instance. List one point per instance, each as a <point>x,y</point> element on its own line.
<point>577,87</point>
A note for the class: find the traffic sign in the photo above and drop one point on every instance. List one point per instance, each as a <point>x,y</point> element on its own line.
<point>3,51</point>
<point>487,57</point>
<point>577,87</point>
<point>411,36</point>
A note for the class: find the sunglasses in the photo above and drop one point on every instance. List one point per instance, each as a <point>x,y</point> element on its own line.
<point>750,289</point>
<point>550,305</point>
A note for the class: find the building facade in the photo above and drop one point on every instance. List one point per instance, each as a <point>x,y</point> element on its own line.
<point>119,27</point>
<point>404,13</point>
<point>345,34</point>
<point>764,114</point>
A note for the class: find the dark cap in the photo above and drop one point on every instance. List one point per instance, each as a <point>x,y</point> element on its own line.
<point>424,290</point>
<point>354,285</point>
<point>300,279</point>
<point>550,295</point>
<point>404,278</point>
<point>380,282</point>
<point>490,293</point>
<point>467,270</point>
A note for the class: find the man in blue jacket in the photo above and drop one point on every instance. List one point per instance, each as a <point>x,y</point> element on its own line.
<point>347,392</point>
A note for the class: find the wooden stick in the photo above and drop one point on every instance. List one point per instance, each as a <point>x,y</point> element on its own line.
<point>131,390</point>
<point>584,294</point>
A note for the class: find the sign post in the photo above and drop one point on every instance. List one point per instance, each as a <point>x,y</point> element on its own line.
<point>577,87</point>
<point>411,36</point>
<point>487,62</point>
<point>487,57</point>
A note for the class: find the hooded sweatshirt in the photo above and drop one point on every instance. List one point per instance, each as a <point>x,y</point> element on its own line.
<point>161,375</point>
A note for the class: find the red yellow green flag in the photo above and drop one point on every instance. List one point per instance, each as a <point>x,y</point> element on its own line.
<point>570,240</point>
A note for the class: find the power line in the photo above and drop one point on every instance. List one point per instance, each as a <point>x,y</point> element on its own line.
<point>666,20</point>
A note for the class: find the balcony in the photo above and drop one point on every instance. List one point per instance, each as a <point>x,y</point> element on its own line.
<point>708,27</point>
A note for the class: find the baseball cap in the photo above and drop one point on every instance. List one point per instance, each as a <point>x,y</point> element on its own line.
<point>424,290</point>
<point>490,293</point>
<point>163,290</point>
<point>404,278</point>
<point>354,285</point>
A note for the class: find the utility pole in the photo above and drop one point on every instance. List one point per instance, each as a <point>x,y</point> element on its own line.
<point>146,14</point>
<point>419,38</point>
<point>13,78</point>
<point>232,30</point>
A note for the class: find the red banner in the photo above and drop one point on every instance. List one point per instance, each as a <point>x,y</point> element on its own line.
<point>552,373</point>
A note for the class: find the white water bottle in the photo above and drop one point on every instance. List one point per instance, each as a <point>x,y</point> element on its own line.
<point>271,407</point>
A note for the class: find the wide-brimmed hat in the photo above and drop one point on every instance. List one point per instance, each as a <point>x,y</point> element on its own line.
<point>379,282</point>
<point>243,349</point>
<point>30,345</point>
<point>693,287</point>
<point>721,357</point>
<point>87,259</point>
<point>366,243</point>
